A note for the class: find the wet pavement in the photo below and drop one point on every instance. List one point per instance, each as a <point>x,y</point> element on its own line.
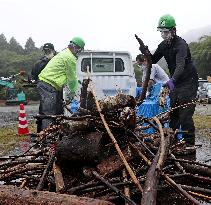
<point>203,142</point>
<point>10,114</point>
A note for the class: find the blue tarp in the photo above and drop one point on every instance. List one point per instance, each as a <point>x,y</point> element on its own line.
<point>150,107</point>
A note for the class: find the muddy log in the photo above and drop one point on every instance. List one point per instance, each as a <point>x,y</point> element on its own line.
<point>47,169</point>
<point>197,169</point>
<point>71,126</point>
<point>84,93</point>
<point>58,178</point>
<point>144,49</point>
<point>110,103</point>
<point>153,175</point>
<point>19,170</point>
<point>82,149</point>
<point>117,191</point>
<point>14,195</point>
<point>112,164</point>
<point>117,102</point>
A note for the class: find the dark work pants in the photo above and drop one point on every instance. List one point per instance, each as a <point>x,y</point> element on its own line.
<point>50,102</point>
<point>184,115</point>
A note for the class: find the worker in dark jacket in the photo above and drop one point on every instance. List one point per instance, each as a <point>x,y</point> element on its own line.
<point>49,52</point>
<point>183,81</point>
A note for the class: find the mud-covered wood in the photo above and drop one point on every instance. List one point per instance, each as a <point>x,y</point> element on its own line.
<point>59,181</point>
<point>84,93</point>
<point>80,149</point>
<point>70,126</point>
<point>149,196</point>
<point>17,196</point>
<point>144,50</point>
<point>21,169</point>
<point>87,142</point>
<point>47,169</point>
<point>204,171</point>
<point>116,102</point>
<point>113,163</point>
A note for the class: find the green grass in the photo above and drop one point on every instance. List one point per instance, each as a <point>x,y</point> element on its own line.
<point>202,121</point>
<point>9,137</point>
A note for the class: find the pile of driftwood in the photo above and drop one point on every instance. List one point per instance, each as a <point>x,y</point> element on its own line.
<point>101,155</point>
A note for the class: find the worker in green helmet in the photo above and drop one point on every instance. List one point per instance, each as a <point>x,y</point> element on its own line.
<point>59,72</point>
<point>183,81</point>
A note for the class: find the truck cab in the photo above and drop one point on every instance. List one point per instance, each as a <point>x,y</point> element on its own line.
<point>111,72</point>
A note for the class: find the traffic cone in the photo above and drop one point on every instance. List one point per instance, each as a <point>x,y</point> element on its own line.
<point>23,124</point>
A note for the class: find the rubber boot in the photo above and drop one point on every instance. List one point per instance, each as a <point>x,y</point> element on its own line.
<point>190,144</point>
<point>189,140</point>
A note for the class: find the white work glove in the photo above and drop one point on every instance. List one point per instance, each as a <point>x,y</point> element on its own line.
<point>69,95</point>
<point>147,93</point>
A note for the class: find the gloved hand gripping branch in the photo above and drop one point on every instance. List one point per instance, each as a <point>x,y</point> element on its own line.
<point>144,49</point>
<point>170,84</point>
<point>69,96</point>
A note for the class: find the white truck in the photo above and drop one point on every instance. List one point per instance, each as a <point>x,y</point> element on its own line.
<point>110,71</point>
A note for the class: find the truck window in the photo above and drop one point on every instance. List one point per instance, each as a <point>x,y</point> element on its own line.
<point>102,65</point>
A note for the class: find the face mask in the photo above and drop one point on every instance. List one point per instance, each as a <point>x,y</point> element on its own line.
<point>142,66</point>
<point>78,50</point>
<point>75,49</point>
<point>50,55</point>
<point>166,35</point>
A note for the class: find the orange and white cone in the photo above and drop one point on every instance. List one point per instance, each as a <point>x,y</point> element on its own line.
<point>23,124</point>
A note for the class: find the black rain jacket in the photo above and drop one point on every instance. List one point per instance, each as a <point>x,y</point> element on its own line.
<point>38,67</point>
<point>178,57</point>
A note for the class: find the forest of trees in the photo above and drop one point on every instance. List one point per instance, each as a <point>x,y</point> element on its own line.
<point>14,58</point>
<point>201,53</point>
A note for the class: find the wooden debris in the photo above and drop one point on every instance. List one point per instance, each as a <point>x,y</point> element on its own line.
<point>14,195</point>
<point>92,159</point>
<point>58,178</point>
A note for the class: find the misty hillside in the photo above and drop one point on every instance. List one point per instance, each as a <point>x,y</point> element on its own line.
<point>195,34</point>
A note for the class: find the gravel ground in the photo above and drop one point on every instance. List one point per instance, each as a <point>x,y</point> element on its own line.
<point>203,136</point>
<point>10,114</point>
<point>203,109</point>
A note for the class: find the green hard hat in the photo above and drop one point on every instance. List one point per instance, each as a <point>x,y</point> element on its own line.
<point>166,21</point>
<point>78,41</point>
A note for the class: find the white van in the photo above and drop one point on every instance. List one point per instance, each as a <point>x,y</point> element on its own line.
<point>110,71</point>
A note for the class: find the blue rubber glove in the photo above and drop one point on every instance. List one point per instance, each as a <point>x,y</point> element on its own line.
<point>170,84</point>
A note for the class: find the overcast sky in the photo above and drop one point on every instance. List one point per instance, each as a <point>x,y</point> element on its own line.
<point>103,24</point>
